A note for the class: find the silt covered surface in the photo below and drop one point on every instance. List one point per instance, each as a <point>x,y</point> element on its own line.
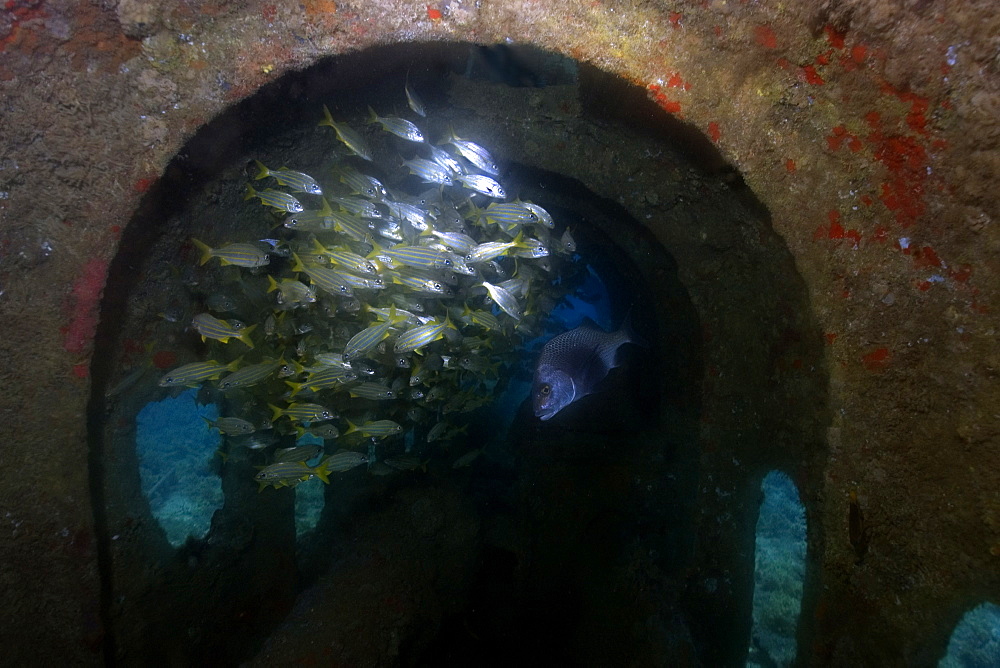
<point>867,131</point>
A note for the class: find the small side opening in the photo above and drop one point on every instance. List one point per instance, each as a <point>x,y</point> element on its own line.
<point>178,470</point>
<point>975,642</point>
<point>779,573</point>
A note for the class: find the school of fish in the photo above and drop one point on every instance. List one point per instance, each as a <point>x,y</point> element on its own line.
<point>385,307</point>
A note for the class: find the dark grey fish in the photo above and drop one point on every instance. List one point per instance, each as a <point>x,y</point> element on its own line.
<point>572,364</point>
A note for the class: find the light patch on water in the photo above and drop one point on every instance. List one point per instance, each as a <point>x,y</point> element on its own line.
<point>175,448</point>
<point>975,642</point>
<point>779,571</point>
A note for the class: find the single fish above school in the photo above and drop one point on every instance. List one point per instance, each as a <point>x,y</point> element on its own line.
<point>573,364</point>
<point>415,103</point>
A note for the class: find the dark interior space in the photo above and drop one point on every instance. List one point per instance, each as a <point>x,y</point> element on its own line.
<point>573,540</point>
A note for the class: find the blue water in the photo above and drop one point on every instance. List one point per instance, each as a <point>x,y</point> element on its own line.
<point>590,300</point>
<point>175,448</point>
<point>779,570</point>
<point>975,642</point>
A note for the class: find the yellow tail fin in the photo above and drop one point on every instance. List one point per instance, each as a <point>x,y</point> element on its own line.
<point>206,252</point>
<point>245,335</point>
<point>327,118</point>
<point>262,171</point>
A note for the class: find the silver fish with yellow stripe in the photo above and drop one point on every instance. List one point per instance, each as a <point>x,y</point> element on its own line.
<point>297,412</point>
<point>415,103</point>
<point>360,184</point>
<point>231,425</point>
<point>325,279</point>
<point>211,327</point>
<point>249,375</point>
<point>324,431</point>
<point>345,258</point>
<point>376,428</point>
<point>345,134</point>
<point>289,474</point>
<point>473,152</point>
<point>299,453</point>
<point>490,249</point>
<point>275,199</point>
<point>297,181</point>
<point>291,291</point>
<point>456,241</point>
<point>420,257</point>
<point>239,254</point>
<point>344,460</point>
<point>483,319</point>
<point>373,391</point>
<point>368,338</point>
<point>324,378</point>
<point>400,127</point>
<point>483,185</point>
<point>195,373</point>
<point>418,337</point>
<point>429,171</point>
<point>506,301</point>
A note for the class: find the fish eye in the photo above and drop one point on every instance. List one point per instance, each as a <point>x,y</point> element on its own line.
<point>545,390</point>
<point>168,379</point>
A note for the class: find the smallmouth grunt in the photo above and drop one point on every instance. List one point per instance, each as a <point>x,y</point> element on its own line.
<point>297,181</point>
<point>275,199</point>
<point>239,254</point>
<point>351,139</point>
<point>210,327</point>
<point>193,374</point>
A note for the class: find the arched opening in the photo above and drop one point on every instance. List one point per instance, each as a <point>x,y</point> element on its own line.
<point>975,642</point>
<point>779,572</point>
<point>619,518</point>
